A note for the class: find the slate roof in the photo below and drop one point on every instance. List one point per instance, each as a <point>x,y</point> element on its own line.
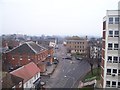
<point>10,80</point>
<point>26,72</point>
<point>27,47</point>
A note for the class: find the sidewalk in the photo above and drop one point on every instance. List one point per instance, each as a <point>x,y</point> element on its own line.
<point>82,84</point>
<point>49,70</point>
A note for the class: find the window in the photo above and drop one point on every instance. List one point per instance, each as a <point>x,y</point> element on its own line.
<point>110,20</point>
<point>20,57</point>
<point>110,59</point>
<point>114,70</point>
<point>115,59</point>
<point>28,57</point>
<point>109,46</point>
<point>78,42</point>
<point>107,83</point>
<point>13,87</point>
<point>119,72</point>
<point>110,33</point>
<point>108,71</point>
<point>13,58</point>
<point>117,20</point>
<point>113,84</point>
<point>118,84</point>
<point>116,34</point>
<point>20,84</point>
<point>116,46</point>
<point>34,77</point>
<point>119,60</point>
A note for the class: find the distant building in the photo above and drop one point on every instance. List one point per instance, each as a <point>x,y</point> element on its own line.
<point>30,74</point>
<point>110,77</point>
<point>26,53</point>
<point>95,49</point>
<point>76,44</point>
<point>48,42</point>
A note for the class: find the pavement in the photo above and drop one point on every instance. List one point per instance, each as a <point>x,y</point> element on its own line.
<point>49,70</point>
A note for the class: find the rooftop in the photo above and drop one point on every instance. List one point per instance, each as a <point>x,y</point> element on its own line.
<point>28,47</point>
<point>26,72</point>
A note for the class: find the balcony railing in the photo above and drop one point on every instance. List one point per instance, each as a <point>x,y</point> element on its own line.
<point>109,48</point>
<point>108,73</point>
<point>113,85</point>
<point>109,61</point>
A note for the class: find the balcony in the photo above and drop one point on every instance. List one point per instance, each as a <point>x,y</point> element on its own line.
<point>108,73</point>
<point>109,48</point>
<point>113,85</point>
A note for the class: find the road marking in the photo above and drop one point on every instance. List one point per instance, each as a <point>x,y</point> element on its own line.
<point>65,76</point>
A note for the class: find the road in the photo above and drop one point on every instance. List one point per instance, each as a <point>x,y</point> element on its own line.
<point>68,72</point>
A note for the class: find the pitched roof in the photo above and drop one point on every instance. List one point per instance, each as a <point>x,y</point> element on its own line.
<point>9,80</point>
<point>28,47</point>
<point>26,72</point>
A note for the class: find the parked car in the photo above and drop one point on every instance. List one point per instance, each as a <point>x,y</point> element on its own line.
<point>78,58</point>
<point>68,58</point>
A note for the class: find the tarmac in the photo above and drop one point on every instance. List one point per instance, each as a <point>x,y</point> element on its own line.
<point>49,70</point>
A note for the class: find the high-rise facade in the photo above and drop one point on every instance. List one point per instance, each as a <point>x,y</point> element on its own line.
<point>110,77</point>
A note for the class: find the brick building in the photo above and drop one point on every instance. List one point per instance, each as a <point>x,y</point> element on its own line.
<point>27,52</point>
<point>76,44</point>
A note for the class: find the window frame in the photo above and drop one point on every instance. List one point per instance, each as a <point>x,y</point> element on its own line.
<point>115,46</point>
<point>116,34</point>
<point>117,21</point>
<point>111,21</point>
<point>109,73</point>
<point>110,48</point>
<point>110,35</point>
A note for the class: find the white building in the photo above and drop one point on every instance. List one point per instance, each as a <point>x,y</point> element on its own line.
<point>31,75</point>
<point>110,77</point>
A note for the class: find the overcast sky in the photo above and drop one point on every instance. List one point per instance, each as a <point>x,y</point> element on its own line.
<point>54,17</point>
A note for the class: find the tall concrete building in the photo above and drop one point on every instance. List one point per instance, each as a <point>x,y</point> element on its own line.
<point>110,77</point>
